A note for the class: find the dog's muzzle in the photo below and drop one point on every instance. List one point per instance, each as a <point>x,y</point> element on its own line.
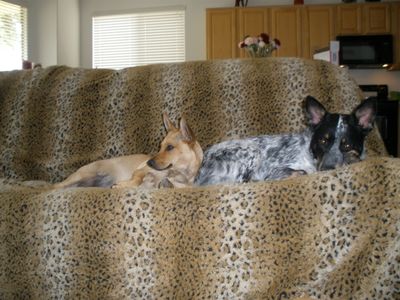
<point>152,164</point>
<point>351,157</point>
<point>332,162</point>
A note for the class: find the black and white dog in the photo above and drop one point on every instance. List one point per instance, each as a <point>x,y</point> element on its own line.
<point>331,140</point>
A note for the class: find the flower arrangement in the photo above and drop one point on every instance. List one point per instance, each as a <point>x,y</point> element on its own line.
<point>261,46</point>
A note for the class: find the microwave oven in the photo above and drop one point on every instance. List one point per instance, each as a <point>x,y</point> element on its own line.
<point>365,51</point>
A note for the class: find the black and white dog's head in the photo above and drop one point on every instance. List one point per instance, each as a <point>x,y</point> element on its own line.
<point>338,139</point>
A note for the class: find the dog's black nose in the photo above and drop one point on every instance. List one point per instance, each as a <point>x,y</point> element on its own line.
<point>151,163</point>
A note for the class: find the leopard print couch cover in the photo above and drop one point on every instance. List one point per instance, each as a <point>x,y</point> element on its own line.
<point>328,235</point>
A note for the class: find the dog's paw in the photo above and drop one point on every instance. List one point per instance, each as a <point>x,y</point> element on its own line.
<point>120,185</point>
<point>125,184</point>
<point>296,173</point>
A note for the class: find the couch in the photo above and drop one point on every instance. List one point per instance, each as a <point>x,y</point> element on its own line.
<point>328,235</point>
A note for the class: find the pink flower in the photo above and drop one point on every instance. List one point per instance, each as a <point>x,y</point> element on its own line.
<point>277,43</point>
<point>250,40</point>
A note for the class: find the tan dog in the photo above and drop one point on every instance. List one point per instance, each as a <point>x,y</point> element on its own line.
<point>176,164</point>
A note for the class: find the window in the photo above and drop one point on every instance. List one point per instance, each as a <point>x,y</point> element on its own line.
<point>13,36</point>
<point>128,40</point>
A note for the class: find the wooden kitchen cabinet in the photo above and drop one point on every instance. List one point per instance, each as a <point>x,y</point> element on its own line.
<point>221,33</point>
<point>251,21</point>
<point>318,28</point>
<point>286,26</point>
<point>366,18</point>
<point>302,29</point>
<point>349,19</point>
<point>376,18</point>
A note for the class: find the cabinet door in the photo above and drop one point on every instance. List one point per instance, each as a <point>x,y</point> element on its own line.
<point>349,19</point>
<point>251,21</point>
<point>376,18</point>
<point>318,28</point>
<point>286,27</point>
<point>221,33</point>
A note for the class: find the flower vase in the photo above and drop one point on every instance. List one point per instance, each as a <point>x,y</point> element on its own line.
<point>253,54</point>
<point>261,46</point>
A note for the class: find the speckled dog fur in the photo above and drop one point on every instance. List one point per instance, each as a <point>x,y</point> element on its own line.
<point>332,140</point>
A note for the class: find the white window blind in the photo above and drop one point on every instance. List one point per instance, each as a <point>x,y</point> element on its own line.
<point>121,41</point>
<point>13,36</point>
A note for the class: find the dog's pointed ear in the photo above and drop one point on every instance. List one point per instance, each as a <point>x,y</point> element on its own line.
<point>365,114</point>
<point>168,123</point>
<point>315,111</point>
<point>186,132</point>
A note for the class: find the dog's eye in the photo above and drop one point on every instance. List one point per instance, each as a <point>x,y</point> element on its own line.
<point>169,147</point>
<point>323,141</point>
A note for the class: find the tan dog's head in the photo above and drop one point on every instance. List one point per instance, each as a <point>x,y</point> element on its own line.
<point>179,150</point>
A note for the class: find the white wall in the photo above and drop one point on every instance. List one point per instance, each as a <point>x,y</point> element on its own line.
<point>42,32</point>
<point>391,78</point>
<point>68,41</point>
<point>53,32</point>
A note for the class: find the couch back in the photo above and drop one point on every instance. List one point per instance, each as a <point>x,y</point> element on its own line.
<point>56,119</point>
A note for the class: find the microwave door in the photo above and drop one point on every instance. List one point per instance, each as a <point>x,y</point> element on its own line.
<point>365,50</point>
<point>360,53</point>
